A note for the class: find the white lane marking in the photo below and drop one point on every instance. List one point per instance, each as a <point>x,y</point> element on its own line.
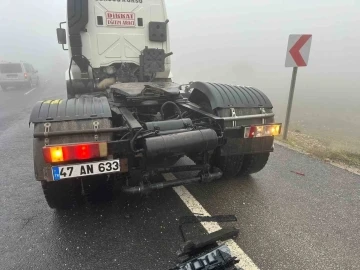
<point>29,91</point>
<point>196,208</point>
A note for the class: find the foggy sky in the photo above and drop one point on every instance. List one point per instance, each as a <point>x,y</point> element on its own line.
<point>248,37</point>
<point>231,41</point>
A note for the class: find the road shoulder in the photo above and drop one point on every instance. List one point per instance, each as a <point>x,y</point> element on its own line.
<point>336,164</point>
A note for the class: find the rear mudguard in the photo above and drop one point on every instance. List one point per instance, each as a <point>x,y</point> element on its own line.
<point>67,115</point>
<point>223,96</point>
<point>55,110</point>
<point>225,101</point>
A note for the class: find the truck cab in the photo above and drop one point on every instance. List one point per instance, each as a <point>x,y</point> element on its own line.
<point>124,40</point>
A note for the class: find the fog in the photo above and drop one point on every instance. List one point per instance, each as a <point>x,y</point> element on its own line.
<point>245,42</point>
<point>232,41</point>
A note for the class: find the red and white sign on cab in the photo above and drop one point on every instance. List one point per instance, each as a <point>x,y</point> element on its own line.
<point>120,19</point>
<point>298,51</point>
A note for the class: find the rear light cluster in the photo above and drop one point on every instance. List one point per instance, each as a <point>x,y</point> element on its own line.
<point>262,131</point>
<point>73,152</point>
<point>25,75</point>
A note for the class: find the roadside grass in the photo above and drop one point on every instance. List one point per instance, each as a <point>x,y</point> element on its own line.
<point>322,149</point>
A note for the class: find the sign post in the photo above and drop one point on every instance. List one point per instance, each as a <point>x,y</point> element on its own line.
<point>297,56</point>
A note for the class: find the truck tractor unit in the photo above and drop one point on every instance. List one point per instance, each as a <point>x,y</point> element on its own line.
<point>124,119</point>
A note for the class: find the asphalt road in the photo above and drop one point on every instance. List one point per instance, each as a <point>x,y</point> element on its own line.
<point>286,220</point>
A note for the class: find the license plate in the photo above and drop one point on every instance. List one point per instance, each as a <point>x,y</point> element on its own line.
<point>85,169</point>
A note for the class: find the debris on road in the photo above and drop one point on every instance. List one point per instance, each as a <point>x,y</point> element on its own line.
<point>298,173</point>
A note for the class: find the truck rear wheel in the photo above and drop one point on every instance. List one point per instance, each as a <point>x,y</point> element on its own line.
<point>64,194</point>
<point>98,188</point>
<point>234,165</point>
<point>230,165</point>
<point>254,163</point>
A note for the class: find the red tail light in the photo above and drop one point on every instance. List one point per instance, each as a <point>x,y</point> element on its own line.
<point>25,75</point>
<point>73,152</point>
<point>252,131</point>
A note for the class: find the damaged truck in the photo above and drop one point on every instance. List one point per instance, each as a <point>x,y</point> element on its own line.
<point>124,119</point>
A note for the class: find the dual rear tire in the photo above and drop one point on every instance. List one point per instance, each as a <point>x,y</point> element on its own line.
<point>64,194</point>
<point>236,165</point>
<point>253,163</point>
<point>241,165</point>
<point>68,193</point>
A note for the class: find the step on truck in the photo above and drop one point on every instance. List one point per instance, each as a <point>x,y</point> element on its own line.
<point>124,119</point>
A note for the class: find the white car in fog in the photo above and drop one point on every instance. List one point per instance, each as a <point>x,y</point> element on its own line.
<point>18,75</point>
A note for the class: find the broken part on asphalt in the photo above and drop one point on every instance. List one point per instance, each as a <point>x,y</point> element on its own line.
<point>204,252</point>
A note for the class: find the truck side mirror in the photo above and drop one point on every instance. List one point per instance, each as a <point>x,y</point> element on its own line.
<point>61,35</point>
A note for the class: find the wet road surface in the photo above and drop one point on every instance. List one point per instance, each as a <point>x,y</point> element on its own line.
<point>286,221</point>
